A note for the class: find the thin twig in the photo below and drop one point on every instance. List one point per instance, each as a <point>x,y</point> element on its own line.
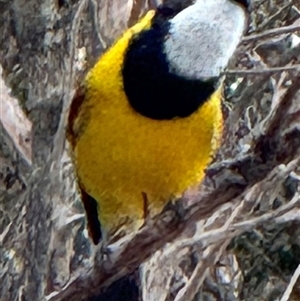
<point>271,32</point>
<point>291,285</point>
<point>263,71</point>
<point>274,16</point>
<point>199,274</point>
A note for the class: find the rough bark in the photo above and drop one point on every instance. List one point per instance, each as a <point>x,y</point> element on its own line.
<point>236,238</point>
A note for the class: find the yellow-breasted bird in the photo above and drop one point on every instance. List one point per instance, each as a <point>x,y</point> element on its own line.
<point>149,119</point>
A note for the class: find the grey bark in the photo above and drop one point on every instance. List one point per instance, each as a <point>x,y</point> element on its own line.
<point>236,238</point>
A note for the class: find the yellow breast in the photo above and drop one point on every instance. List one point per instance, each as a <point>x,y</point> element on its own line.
<point>120,154</point>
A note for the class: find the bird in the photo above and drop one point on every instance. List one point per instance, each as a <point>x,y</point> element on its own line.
<point>147,120</point>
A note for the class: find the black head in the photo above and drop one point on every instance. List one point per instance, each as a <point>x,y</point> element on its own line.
<point>168,10</point>
<point>244,3</point>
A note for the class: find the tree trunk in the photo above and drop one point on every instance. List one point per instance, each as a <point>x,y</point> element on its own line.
<point>236,238</point>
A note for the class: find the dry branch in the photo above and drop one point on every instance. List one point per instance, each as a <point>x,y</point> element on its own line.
<point>236,238</point>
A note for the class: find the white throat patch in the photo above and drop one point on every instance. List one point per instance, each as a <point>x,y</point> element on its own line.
<point>203,37</point>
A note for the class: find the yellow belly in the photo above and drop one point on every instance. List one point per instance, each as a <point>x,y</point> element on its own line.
<point>120,154</point>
